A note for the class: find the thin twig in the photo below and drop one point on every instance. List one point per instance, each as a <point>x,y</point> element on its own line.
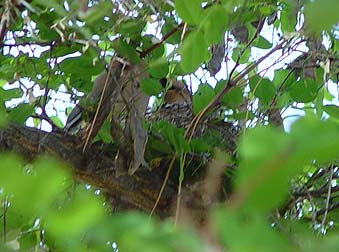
<point>328,198</point>
<point>166,36</point>
<point>88,136</point>
<point>164,183</point>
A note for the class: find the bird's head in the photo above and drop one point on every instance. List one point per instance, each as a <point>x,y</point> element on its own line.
<point>178,92</point>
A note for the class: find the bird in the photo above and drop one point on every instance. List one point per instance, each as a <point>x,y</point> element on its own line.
<point>75,120</point>
<point>176,106</point>
<point>178,92</point>
<point>115,91</point>
<point>117,88</point>
<point>177,109</point>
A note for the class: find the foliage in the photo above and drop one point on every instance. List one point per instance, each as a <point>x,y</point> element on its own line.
<point>281,58</point>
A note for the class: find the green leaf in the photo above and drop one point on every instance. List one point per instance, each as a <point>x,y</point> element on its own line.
<point>57,121</point>
<point>54,5</point>
<point>193,51</point>
<point>332,110</point>
<point>7,94</point>
<point>190,11</point>
<point>105,132</point>
<point>214,22</point>
<point>148,41</point>
<point>262,43</point>
<point>263,89</point>
<point>270,157</point>
<point>63,50</point>
<point>160,237</point>
<point>325,139</point>
<point>127,51</point>
<point>174,135</point>
<point>202,97</point>
<point>151,86</point>
<point>261,180</point>
<point>321,15</point>
<point>97,12</point>
<point>240,231</point>
<point>39,183</point>
<point>304,91</point>
<point>132,28</point>
<point>72,218</point>
<point>81,66</point>
<point>44,21</point>
<point>158,68</point>
<point>28,240</point>
<point>233,98</point>
<point>169,26</point>
<point>3,115</point>
<point>20,113</point>
<point>244,55</point>
<point>200,145</point>
<point>288,17</point>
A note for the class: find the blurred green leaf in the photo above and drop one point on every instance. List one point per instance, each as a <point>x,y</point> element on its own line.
<point>233,98</point>
<point>189,11</point>
<point>239,231</point>
<point>57,7</point>
<point>169,26</point>
<point>148,41</point>
<point>39,184</point>
<point>3,115</point>
<point>127,51</point>
<point>304,90</point>
<point>148,235</point>
<point>321,15</point>
<point>332,110</point>
<point>97,12</point>
<point>105,132</point>
<point>151,86</point>
<point>82,65</point>
<point>158,68</point>
<point>28,240</point>
<point>132,28</point>
<point>75,216</point>
<point>193,51</point>
<point>174,136</point>
<point>270,157</point>
<point>213,23</point>
<point>243,54</point>
<point>57,121</point>
<point>7,94</point>
<point>263,89</point>
<point>262,43</point>
<point>20,113</point>
<point>202,97</point>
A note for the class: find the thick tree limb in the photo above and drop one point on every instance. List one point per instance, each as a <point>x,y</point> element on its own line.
<point>95,166</point>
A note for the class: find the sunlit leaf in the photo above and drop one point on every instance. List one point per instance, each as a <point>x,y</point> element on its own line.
<point>193,51</point>
<point>189,11</point>
<point>332,110</point>
<point>214,23</point>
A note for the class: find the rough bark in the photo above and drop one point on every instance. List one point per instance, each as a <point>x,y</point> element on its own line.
<point>95,166</point>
